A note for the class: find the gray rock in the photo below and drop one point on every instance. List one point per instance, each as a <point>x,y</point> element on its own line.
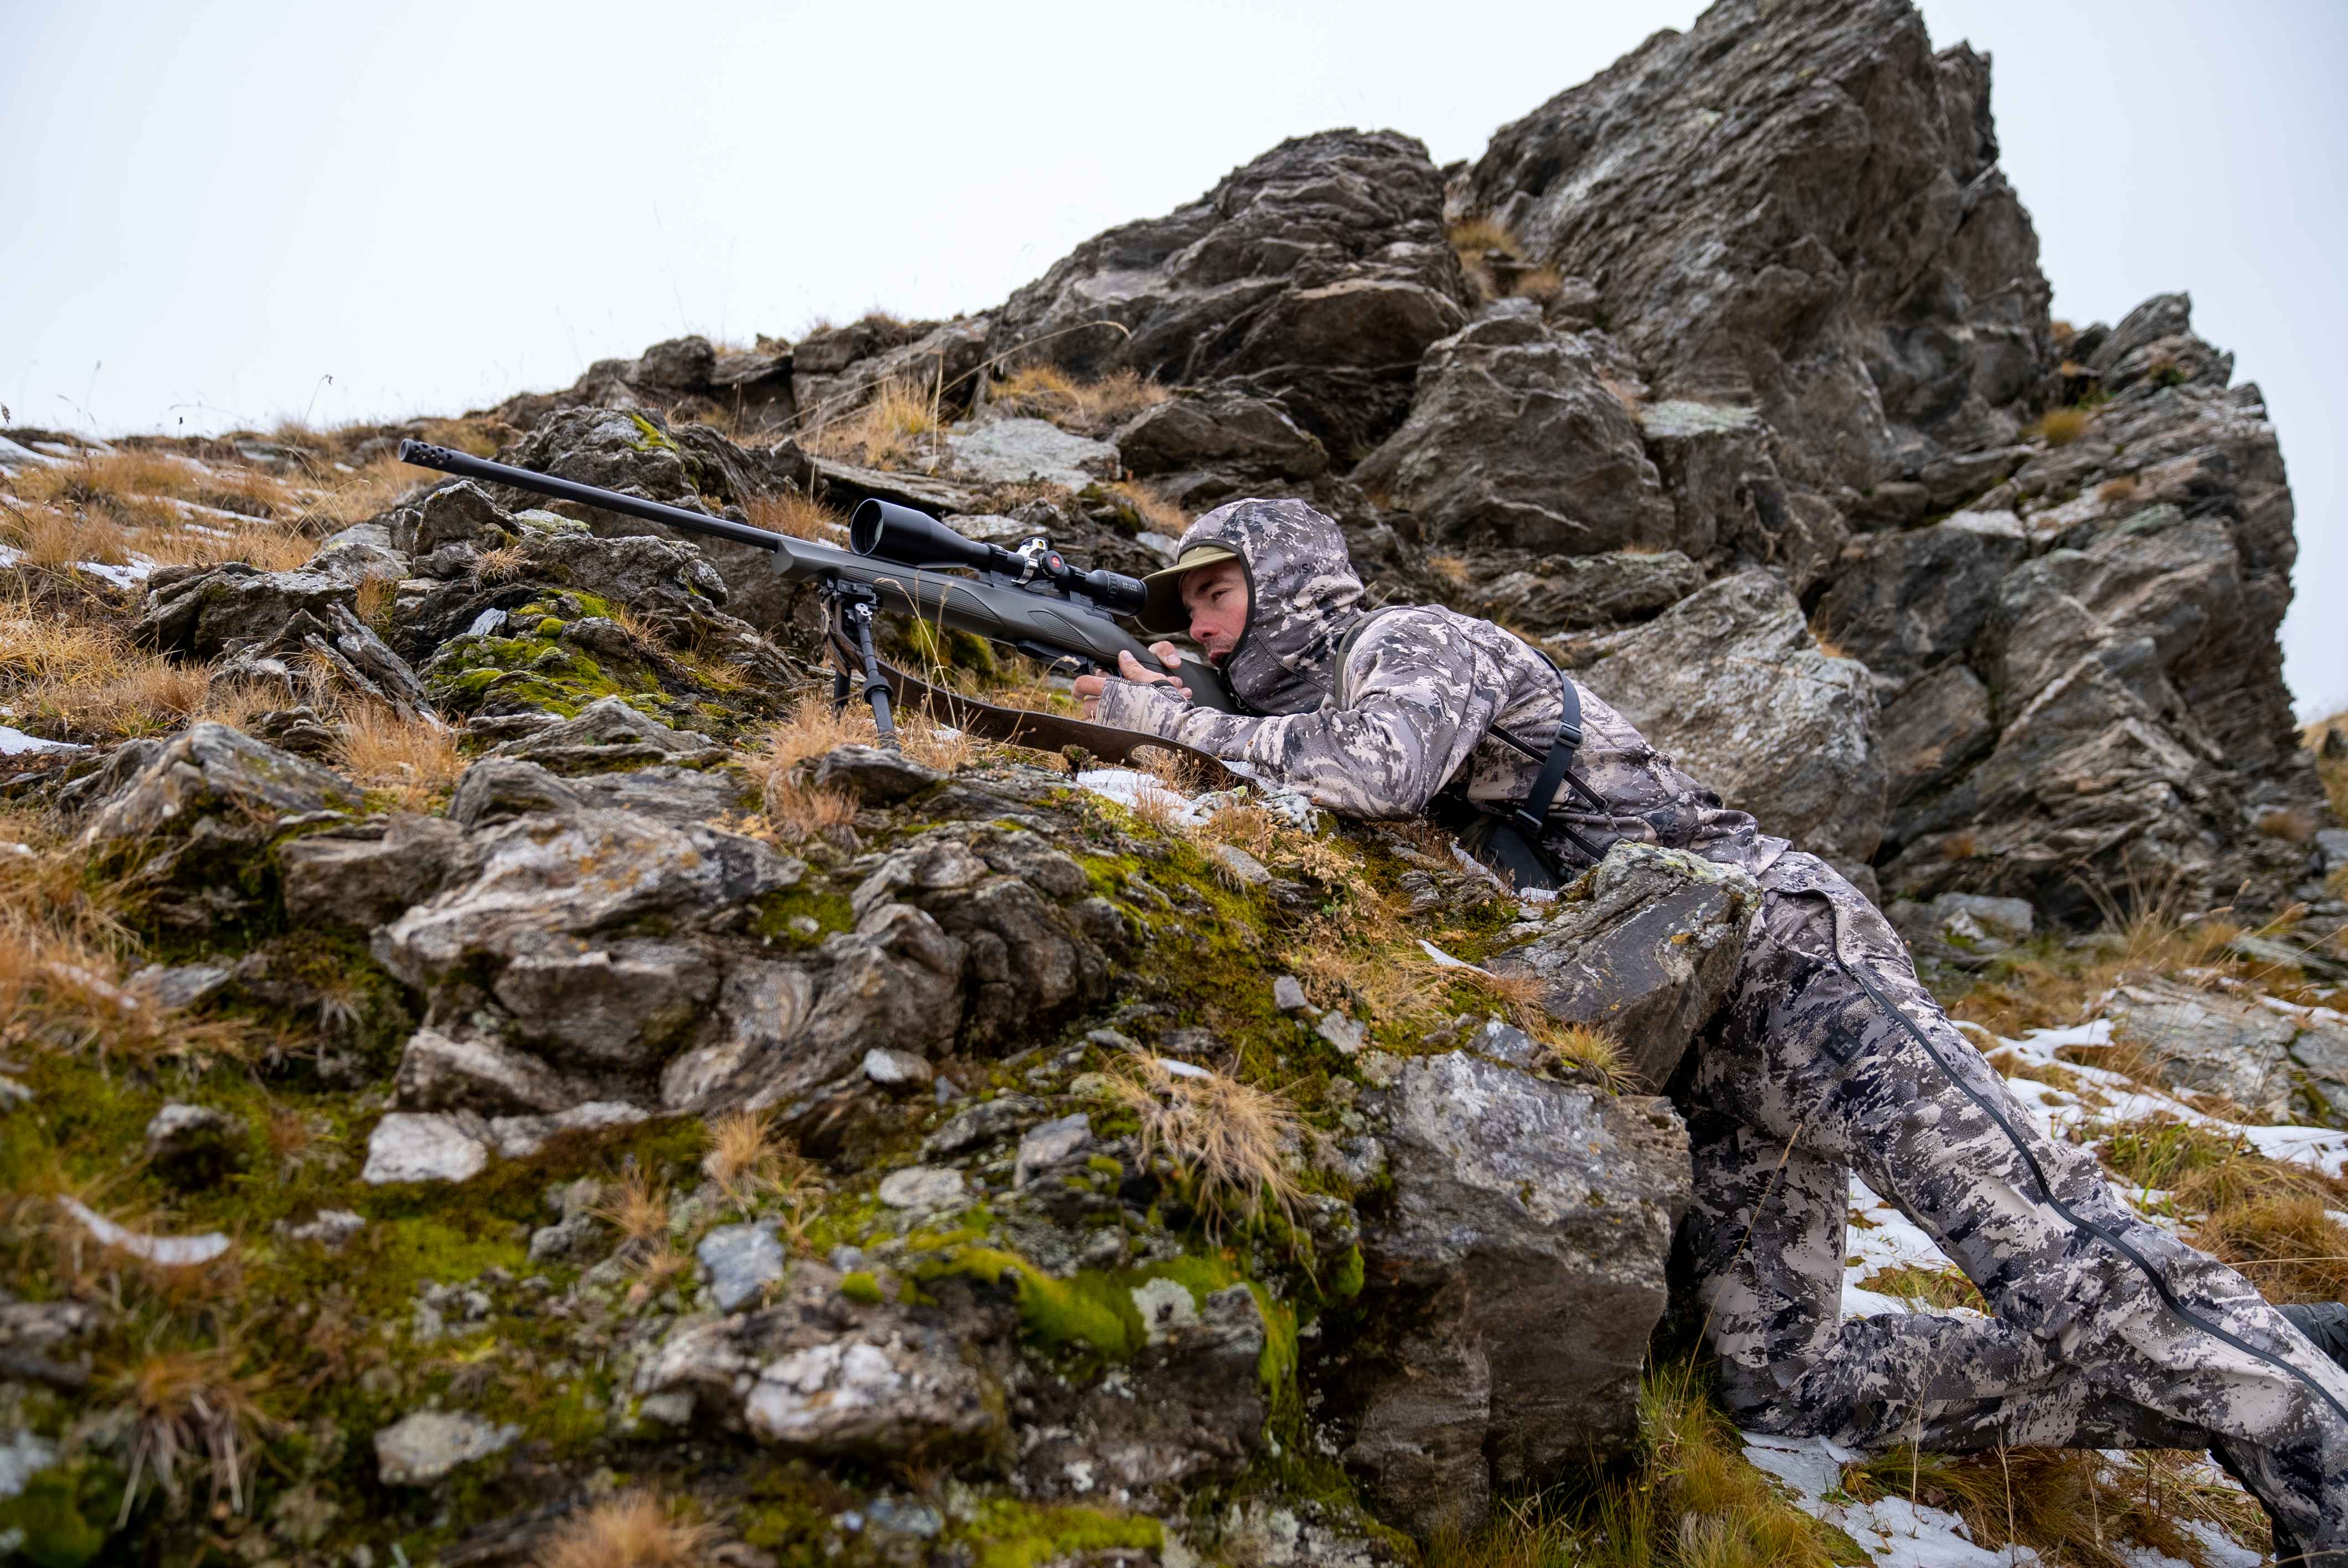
<point>1287,994</point>
<point>876,776</point>
<point>1731,683</point>
<point>1316,275</point>
<point>1516,1278</point>
<point>742,1261</point>
<point>814,1375</point>
<point>901,1070</point>
<point>1915,599</point>
<point>1017,451</point>
<point>234,606</point>
<point>1243,868</point>
<point>329,879</point>
<point>519,1137</point>
<point>1342,1032</point>
<point>1931,731</point>
<point>923,1187</point>
<point>983,1122</point>
<point>1645,947</point>
<point>173,987</point>
<point>1204,446</point>
<point>1965,930</point>
<point>469,1072</point>
<point>407,1146</point>
<point>329,1229</point>
<point>189,824</point>
<point>610,733</point>
<point>1051,1145</point>
<point>457,513</point>
<point>669,1409</point>
<point>178,1129</point>
<point>423,1446</point>
<point>1514,442</point>
<point>1565,593</point>
<point>357,554</point>
<point>2211,1042</point>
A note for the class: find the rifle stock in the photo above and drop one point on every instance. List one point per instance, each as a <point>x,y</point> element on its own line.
<point>1047,622</point>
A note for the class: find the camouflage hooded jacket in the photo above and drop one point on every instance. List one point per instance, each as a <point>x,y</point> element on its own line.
<point>1412,709</point>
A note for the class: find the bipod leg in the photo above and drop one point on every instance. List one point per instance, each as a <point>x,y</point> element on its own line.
<point>856,604</point>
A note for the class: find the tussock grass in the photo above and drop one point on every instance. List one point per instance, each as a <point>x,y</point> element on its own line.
<point>637,1206</point>
<point>636,1530</point>
<point>2076,1508</point>
<point>1046,392</point>
<point>751,1162</point>
<point>1227,1140</point>
<point>2283,1242</point>
<point>1158,514</point>
<point>76,679</point>
<point>415,758</point>
<point>897,426</point>
<point>801,809</point>
<point>1935,1287</point>
<point>799,515</point>
<point>2059,427</point>
<point>191,1411</point>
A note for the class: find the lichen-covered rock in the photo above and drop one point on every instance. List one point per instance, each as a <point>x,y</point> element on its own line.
<point>1203,446</point>
<point>823,1374</point>
<point>421,1447</point>
<point>610,734</point>
<point>365,876</point>
<point>1645,947</point>
<point>1316,275</point>
<point>1731,683</point>
<point>201,613</point>
<point>190,829</point>
<point>1513,1278</point>
<point>2229,1045</point>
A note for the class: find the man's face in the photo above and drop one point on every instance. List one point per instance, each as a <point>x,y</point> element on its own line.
<point>1217,597</point>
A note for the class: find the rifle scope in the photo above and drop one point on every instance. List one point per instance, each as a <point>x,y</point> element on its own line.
<point>913,539</point>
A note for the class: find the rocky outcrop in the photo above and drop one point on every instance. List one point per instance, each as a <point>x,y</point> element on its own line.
<point>1731,683</point>
<point>1316,275</point>
<point>1796,211</point>
<point>1513,1280</point>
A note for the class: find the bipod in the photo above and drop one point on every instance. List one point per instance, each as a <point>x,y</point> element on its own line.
<point>852,604</point>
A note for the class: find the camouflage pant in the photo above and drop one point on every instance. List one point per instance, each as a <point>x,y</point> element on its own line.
<point>1805,1079</point>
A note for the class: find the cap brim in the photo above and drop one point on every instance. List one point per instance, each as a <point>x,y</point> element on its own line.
<point>1161,605</point>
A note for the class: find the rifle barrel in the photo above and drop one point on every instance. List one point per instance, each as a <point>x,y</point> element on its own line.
<point>424,455</point>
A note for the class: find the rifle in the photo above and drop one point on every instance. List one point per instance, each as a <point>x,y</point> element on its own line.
<point>1030,599</point>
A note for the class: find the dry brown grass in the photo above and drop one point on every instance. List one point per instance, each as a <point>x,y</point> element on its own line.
<point>636,1530</point>
<point>1936,1287</point>
<point>637,1206</point>
<point>2059,427</point>
<point>799,515</point>
<point>2076,1508</point>
<point>2283,1243</point>
<point>1340,968</point>
<point>75,679</point>
<point>750,1161</point>
<point>415,758</point>
<point>1046,392</point>
<point>1227,1140</point>
<point>2117,492</point>
<point>1481,234</point>
<point>1452,569</point>
<point>266,546</point>
<point>499,563</point>
<point>1541,283</point>
<point>900,424</point>
<point>811,728</point>
<point>190,1409</point>
<point>1158,514</point>
<point>373,600</point>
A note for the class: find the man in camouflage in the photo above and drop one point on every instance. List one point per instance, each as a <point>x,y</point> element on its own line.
<point>1830,1057</point>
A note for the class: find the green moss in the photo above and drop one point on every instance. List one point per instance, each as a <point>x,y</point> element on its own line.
<point>773,914</point>
<point>1346,1279</point>
<point>61,1513</point>
<point>1007,1534</point>
<point>651,437</point>
<point>861,1286</point>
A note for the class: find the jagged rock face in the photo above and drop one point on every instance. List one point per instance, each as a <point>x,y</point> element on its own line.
<point>1516,1276</point>
<point>1514,441</point>
<point>1731,681</point>
<point>1316,275</point>
<point>683,376</point>
<point>1795,209</point>
<point>2123,688</point>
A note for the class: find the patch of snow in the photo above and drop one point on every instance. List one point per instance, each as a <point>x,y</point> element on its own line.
<point>1893,1532</point>
<point>1127,786</point>
<point>130,576</point>
<point>1443,961</point>
<point>17,743</point>
<point>171,1251</point>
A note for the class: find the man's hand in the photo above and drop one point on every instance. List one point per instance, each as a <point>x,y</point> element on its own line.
<point>1128,668</point>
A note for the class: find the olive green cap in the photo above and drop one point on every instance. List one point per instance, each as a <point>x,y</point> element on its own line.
<point>1162,609</point>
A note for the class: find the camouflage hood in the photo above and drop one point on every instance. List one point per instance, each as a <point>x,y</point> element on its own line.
<point>1302,598</point>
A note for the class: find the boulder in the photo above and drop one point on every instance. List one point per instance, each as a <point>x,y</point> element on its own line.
<point>1316,275</point>
<point>1205,446</point>
<point>828,1378</point>
<point>2211,1043</point>
<point>1513,441</point>
<point>1512,1281</point>
<point>1731,683</point>
<point>1643,946</point>
<point>1569,593</point>
<point>1030,451</point>
<point>610,733</point>
<point>204,613</point>
<point>1962,930</point>
<point>423,1446</point>
<point>1798,211</point>
<point>190,829</point>
<point>366,877</point>
<point>742,1261</point>
<point>1725,470</point>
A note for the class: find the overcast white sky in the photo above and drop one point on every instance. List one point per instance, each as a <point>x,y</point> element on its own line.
<point>230,212</point>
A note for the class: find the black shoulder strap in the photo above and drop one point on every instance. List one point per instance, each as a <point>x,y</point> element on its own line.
<point>1533,813</point>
